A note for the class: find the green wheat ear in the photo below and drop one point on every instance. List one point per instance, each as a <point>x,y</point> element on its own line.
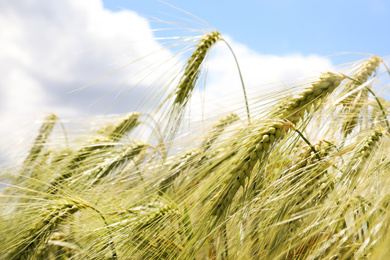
<point>49,219</point>
<point>116,131</point>
<point>183,91</point>
<point>41,139</point>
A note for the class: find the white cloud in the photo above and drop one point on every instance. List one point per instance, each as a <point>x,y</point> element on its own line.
<point>259,69</point>
<point>49,48</point>
<point>60,46</point>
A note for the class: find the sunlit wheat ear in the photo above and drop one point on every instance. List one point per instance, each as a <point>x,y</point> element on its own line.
<point>255,148</point>
<point>40,141</point>
<point>295,108</point>
<point>311,176</point>
<point>352,112</point>
<point>155,232</point>
<point>38,233</point>
<point>307,157</point>
<point>354,102</point>
<point>185,161</point>
<point>363,72</point>
<point>365,149</point>
<point>94,147</point>
<point>187,83</point>
<point>114,161</point>
<point>217,130</point>
<point>116,131</point>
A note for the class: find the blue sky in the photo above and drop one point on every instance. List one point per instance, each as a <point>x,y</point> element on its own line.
<point>283,27</point>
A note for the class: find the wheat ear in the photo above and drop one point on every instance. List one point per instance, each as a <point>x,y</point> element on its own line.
<point>186,161</point>
<point>116,131</point>
<point>187,83</point>
<point>39,143</point>
<point>365,150</point>
<point>218,129</point>
<point>353,103</point>
<point>314,187</point>
<point>262,138</point>
<point>39,233</point>
<point>157,231</point>
<point>363,72</point>
<point>294,109</point>
<point>115,161</point>
<point>97,145</point>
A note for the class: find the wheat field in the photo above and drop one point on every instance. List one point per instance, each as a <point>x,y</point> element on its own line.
<point>299,172</point>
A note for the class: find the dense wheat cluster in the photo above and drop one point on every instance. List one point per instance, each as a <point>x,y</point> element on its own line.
<point>306,178</point>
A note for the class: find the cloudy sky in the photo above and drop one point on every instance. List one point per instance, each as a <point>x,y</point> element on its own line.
<point>103,49</point>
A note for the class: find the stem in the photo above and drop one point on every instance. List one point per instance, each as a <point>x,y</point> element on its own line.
<point>242,81</point>
<point>307,141</point>
<point>226,242</point>
<point>111,243</point>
